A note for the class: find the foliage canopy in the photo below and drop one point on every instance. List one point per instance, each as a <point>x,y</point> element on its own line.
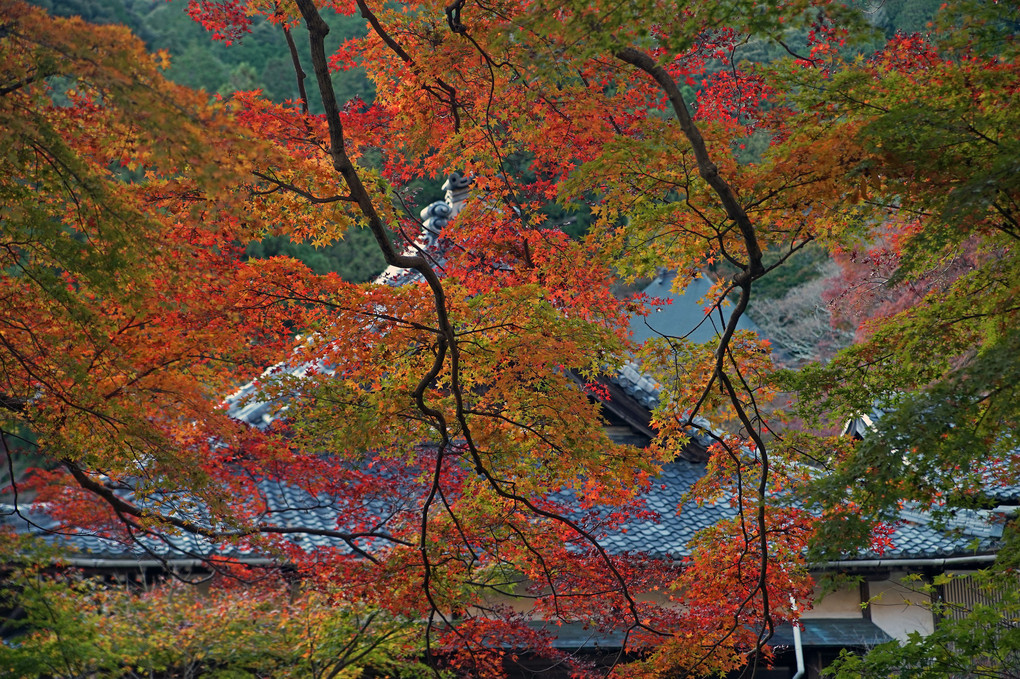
<point>449,424</point>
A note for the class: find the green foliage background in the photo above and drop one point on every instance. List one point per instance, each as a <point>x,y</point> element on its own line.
<point>260,61</point>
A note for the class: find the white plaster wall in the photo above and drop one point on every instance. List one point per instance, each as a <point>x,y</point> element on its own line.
<point>898,610</point>
<point>842,603</point>
<point>895,609</point>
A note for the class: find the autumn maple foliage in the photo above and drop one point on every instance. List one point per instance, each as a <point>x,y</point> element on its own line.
<point>447,420</point>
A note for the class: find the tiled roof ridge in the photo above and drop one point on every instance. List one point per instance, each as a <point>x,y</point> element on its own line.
<point>434,218</point>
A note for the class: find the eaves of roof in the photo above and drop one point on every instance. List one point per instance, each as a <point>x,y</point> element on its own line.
<point>669,535</point>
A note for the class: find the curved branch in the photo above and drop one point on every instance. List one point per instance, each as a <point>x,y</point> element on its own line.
<point>298,71</point>
<point>307,195</point>
<point>706,168</point>
<point>447,342</point>
<point>128,512</point>
<point>751,271</point>
<point>396,48</point>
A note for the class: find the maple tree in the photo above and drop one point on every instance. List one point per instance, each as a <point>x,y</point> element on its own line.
<point>936,214</point>
<point>927,134</point>
<point>449,424</point>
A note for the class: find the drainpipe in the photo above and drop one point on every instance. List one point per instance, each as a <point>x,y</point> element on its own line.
<point>798,647</point>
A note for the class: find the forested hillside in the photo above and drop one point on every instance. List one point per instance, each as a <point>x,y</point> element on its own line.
<point>258,61</point>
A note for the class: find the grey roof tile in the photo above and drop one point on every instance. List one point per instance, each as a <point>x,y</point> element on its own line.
<point>670,535</point>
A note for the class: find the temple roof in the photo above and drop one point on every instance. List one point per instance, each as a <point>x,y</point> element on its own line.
<point>634,395</point>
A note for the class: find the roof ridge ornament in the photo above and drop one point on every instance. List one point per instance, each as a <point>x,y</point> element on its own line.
<point>457,187</point>
<point>434,218</point>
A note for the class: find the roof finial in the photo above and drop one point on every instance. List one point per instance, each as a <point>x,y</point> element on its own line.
<point>457,187</point>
